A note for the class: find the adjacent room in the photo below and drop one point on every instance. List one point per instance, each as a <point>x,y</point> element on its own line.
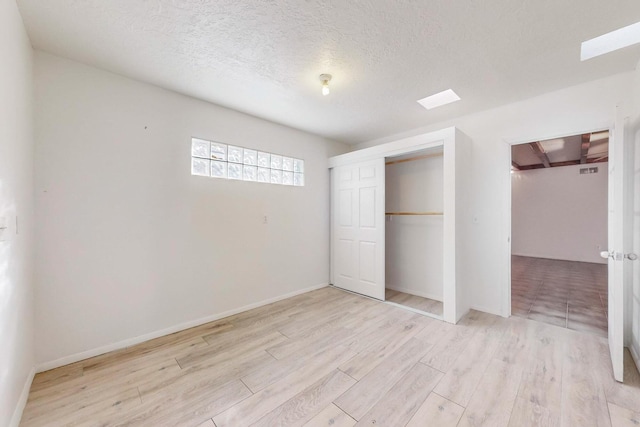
<point>336,213</point>
<point>559,229</point>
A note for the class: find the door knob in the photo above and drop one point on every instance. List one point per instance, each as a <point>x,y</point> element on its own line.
<point>631,256</point>
<point>616,256</point>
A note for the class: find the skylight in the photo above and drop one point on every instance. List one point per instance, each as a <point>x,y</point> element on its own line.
<point>439,99</point>
<point>609,42</point>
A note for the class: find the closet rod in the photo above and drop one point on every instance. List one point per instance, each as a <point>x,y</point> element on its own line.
<point>414,213</point>
<point>425,156</point>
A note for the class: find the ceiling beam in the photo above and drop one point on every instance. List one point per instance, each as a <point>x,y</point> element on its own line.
<point>553,165</point>
<point>537,149</point>
<point>584,147</point>
<point>565,163</point>
<point>604,158</point>
<point>601,159</point>
<point>529,167</point>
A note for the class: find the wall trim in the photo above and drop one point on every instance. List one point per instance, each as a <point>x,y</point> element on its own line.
<point>45,366</point>
<point>416,292</point>
<point>22,401</point>
<point>546,256</point>
<point>487,310</point>
<point>401,146</point>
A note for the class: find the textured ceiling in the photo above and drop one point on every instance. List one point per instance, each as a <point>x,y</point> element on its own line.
<point>264,57</point>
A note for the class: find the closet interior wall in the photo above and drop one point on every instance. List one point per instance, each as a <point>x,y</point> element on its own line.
<point>414,254</point>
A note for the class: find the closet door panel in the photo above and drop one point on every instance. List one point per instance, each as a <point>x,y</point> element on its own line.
<point>368,208</point>
<point>358,227</point>
<point>345,214</point>
<point>344,259</point>
<point>368,262</point>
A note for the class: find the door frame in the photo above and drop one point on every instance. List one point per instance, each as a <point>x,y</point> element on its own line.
<point>507,209</point>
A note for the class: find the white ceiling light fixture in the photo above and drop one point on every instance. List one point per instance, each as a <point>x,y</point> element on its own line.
<point>439,99</point>
<point>325,79</point>
<point>618,39</point>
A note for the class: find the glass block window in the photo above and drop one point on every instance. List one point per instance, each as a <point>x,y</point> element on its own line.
<point>217,160</point>
<point>235,154</point>
<point>218,151</point>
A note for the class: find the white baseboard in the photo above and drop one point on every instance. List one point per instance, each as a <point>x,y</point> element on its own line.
<point>595,260</point>
<point>486,310</point>
<point>22,402</point>
<point>173,329</point>
<point>635,356</point>
<point>416,292</point>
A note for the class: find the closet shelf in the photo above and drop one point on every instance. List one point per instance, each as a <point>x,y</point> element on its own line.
<point>414,213</point>
<point>410,159</point>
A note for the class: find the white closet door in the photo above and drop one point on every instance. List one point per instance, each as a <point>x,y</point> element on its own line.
<point>357,251</point>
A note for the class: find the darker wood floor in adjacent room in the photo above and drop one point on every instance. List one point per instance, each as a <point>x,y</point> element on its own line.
<point>569,294</point>
<point>331,358</point>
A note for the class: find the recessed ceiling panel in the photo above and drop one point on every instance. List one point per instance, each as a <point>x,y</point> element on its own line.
<point>523,155</point>
<point>563,149</point>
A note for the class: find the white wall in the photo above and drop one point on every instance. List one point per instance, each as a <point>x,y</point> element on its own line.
<point>129,243</point>
<point>16,200</point>
<point>569,111</point>
<point>559,214</point>
<point>413,244</point>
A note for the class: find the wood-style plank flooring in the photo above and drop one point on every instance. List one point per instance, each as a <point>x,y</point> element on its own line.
<point>414,301</point>
<point>569,294</point>
<point>331,358</point>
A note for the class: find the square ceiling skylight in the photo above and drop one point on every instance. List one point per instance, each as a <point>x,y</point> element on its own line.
<point>439,99</point>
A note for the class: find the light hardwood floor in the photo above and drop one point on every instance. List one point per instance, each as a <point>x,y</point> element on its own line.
<point>331,358</point>
<point>569,294</point>
<point>414,301</point>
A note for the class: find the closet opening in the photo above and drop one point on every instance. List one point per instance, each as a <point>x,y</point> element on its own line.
<point>398,222</point>
<point>559,193</point>
<point>414,231</point>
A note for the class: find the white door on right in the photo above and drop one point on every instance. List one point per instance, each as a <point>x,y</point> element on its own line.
<point>620,243</point>
<point>632,258</point>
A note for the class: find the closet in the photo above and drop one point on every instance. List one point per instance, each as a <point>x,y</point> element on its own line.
<point>414,230</point>
<point>399,214</point>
